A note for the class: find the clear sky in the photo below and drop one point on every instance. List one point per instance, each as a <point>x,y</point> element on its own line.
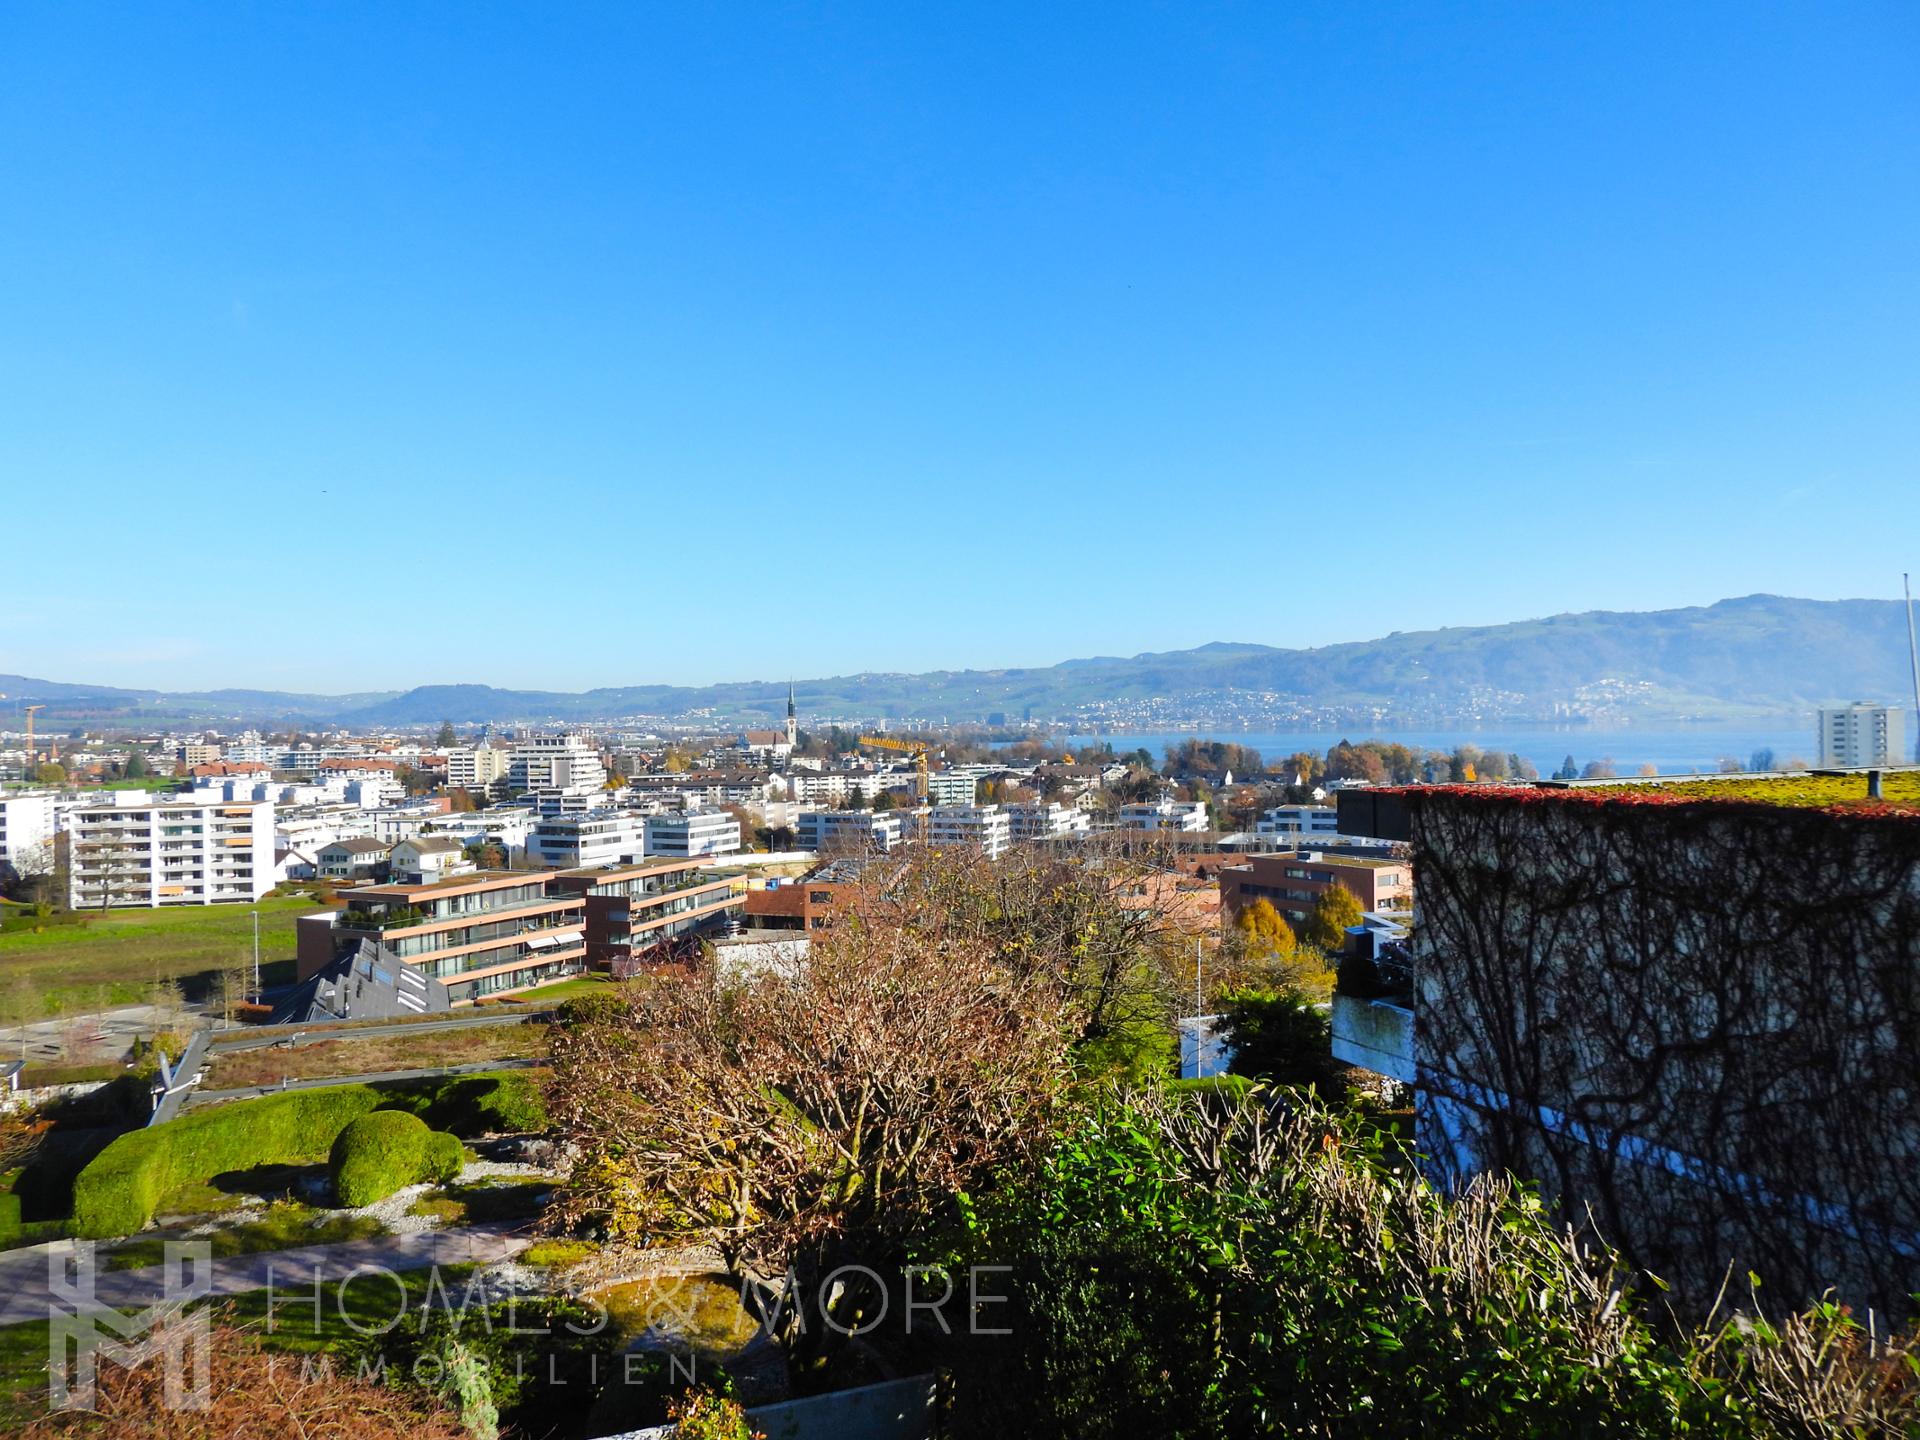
<point>352,346</point>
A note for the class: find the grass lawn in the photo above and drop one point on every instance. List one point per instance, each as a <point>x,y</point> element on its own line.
<point>284,1226</point>
<point>373,1052</point>
<point>485,1201</point>
<point>114,957</point>
<point>564,989</point>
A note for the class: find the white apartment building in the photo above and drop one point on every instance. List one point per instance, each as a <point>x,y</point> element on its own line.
<point>1863,734</point>
<point>810,788</point>
<point>1184,815</point>
<point>1298,820</point>
<point>506,826</point>
<point>983,827</point>
<point>953,787</point>
<point>27,826</point>
<point>544,762</point>
<point>139,852</point>
<point>694,834</point>
<point>478,767</point>
<point>1047,822</point>
<point>599,837</point>
<point>849,830</point>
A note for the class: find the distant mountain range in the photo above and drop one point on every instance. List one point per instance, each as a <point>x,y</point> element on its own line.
<point>1764,654</point>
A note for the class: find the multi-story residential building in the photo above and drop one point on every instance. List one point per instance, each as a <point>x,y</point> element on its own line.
<point>983,827</point>
<point>1294,879</point>
<point>694,834</point>
<point>197,753</point>
<point>848,830</point>
<point>475,934</point>
<point>478,767</point>
<point>952,787</point>
<point>590,839</point>
<point>542,762</point>
<point>354,859</point>
<point>1307,820</point>
<point>1047,821</point>
<point>141,852</point>
<point>1185,815</point>
<point>27,827</point>
<point>630,910</point>
<point>811,788</point>
<point>1863,734</point>
<point>507,826</point>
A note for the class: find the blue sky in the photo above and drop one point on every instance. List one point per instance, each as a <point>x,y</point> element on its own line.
<point>361,346</point>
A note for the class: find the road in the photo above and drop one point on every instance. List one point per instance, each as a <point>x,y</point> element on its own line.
<point>26,1290</point>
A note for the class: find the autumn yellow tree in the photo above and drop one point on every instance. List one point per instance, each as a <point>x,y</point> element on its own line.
<point>1335,910</point>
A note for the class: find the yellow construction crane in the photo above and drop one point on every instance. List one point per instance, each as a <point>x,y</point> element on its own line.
<point>918,749</point>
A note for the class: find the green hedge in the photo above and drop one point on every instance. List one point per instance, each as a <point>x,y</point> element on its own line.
<point>117,1193</point>
<point>383,1152</point>
<point>486,1102</point>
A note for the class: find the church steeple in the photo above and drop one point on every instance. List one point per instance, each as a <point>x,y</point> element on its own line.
<point>793,723</point>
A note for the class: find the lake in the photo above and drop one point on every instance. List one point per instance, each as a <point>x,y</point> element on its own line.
<point>1673,750</point>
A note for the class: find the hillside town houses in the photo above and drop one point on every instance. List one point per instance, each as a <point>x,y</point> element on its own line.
<point>398,826</point>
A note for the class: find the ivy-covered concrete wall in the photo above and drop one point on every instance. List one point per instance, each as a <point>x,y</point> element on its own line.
<point>1697,1024</point>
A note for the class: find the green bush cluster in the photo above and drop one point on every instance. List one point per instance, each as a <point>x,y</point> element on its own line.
<point>117,1193</point>
<point>1225,1270</point>
<point>486,1102</point>
<point>388,1150</point>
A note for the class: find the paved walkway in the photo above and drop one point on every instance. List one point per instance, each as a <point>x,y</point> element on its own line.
<point>26,1293</point>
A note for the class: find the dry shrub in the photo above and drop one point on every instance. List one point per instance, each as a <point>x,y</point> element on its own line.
<point>254,1396</point>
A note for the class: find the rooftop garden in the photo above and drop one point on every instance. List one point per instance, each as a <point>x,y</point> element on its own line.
<point>1899,791</point>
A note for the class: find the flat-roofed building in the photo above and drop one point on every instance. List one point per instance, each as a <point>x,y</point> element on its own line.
<point>1862,734</point>
<point>693,835</point>
<point>136,852</point>
<point>848,830</point>
<point>1047,821</point>
<point>983,827</point>
<point>27,826</point>
<point>1294,879</point>
<point>1298,820</point>
<point>476,934</point>
<point>1185,815</point>
<point>544,762</point>
<point>592,838</point>
<point>633,912</point>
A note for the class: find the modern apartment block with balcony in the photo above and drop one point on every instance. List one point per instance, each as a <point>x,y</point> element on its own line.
<point>543,762</point>
<point>27,825</point>
<point>985,828</point>
<point>1047,821</point>
<point>1863,734</point>
<point>632,910</point>
<point>694,834</point>
<point>476,934</point>
<point>848,830</point>
<point>139,852</point>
